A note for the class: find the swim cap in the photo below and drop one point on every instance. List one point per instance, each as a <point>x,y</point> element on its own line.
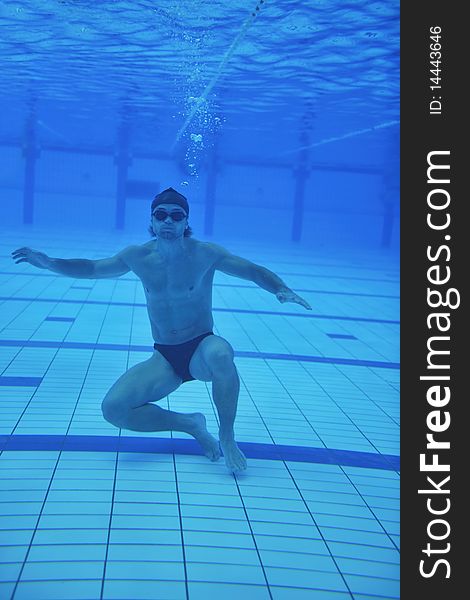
<point>171,196</point>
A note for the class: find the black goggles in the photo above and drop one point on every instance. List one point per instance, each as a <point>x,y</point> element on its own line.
<point>175,215</point>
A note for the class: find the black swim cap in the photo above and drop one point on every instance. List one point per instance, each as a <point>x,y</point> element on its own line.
<point>171,196</point>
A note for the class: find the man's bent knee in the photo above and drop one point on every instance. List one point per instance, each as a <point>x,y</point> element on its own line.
<point>113,413</point>
<point>221,360</point>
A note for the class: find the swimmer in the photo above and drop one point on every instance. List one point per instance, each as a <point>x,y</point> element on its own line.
<point>177,273</point>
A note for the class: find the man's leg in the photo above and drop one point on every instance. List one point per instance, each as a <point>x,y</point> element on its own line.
<point>128,404</point>
<point>213,361</point>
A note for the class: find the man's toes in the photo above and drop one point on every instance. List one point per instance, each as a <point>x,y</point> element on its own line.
<point>213,453</point>
<point>236,464</point>
<point>242,465</point>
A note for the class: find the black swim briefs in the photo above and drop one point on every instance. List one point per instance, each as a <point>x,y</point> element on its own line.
<point>179,355</point>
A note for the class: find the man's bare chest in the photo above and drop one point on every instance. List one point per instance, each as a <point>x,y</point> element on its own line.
<point>175,278</point>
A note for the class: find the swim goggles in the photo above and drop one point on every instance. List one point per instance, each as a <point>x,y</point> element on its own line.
<point>175,215</point>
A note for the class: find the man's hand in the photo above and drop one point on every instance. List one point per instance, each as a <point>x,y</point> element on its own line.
<point>287,295</point>
<point>33,257</point>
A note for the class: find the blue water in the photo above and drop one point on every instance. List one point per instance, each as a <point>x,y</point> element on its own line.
<point>282,130</point>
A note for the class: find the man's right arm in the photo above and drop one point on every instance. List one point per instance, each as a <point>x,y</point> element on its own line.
<point>80,268</point>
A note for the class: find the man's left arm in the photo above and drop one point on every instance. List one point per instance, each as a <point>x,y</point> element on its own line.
<point>266,279</point>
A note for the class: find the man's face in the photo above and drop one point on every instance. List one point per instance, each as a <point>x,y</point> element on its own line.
<point>169,221</point>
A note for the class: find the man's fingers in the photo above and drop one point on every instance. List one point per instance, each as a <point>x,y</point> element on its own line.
<point>21,260</point>
<point>302,302</point>
<point>294,298</point>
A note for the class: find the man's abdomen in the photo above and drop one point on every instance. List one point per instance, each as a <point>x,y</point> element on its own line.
<point>176,322</point>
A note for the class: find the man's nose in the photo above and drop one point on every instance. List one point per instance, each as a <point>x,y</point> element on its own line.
<point>168,219</point>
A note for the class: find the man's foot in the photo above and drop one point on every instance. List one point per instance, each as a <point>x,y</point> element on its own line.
<point>210,445</point>
<point>234,457</point>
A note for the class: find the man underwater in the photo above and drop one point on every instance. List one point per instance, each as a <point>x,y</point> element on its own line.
<point>177,274</point>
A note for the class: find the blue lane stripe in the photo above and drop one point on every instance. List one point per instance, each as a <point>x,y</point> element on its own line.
<point>356,362</point>
<point>74,345</point>
<point>306,314</point>
<point>83,443</point>
<point>341,336</point>
<point>228,285</point>
<point>240,353</point>
<point>61,319</point>
<point>389,278</point>
<point>20,381</point>
<point>310,291</point>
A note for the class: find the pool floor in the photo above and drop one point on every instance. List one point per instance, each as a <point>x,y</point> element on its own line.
<point>89,511</point>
